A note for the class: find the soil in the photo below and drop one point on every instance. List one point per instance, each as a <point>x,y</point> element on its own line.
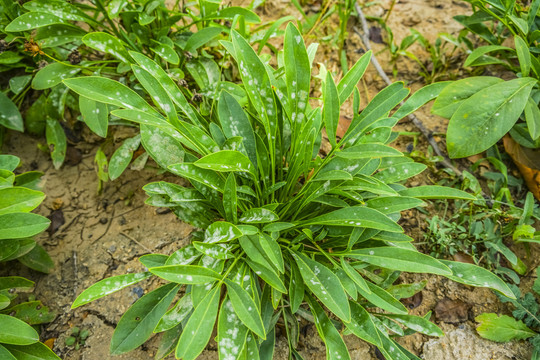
<point>105,233</point>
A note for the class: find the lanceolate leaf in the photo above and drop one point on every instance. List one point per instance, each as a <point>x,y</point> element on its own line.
<point>436,192</point>
<point>199,327</point>
<point>36,350</point>
<point>352,77</point>
<point>10,116</point>
<point>186,274</point>
<point>400,259</point>
<point>382,299</point>
<point>19,199</point>
<point>419,98</point>
<point>245,308</point>
<point>473,275</point>
<point>108,286</point>
<point>16,332</point>
<point>20,225</point>
<point>487,116</point>
<point>221,231</point>
<point>95,115</point>
<point>330,109</point>
<point>417,323</point>
<point>357,216</point>
<point>107,43</point>
<point>324,284</point>
<point>141,318</point>
<point>361,324</point>
<point>52,75</point>
<point>231,332</point>
<point>502,328</point>
<point>226,160</point>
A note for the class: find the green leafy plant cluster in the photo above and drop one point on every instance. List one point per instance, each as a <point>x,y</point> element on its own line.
<point>18,196</point>
<point>281,231</point>
<point>94,38</point>
<point>525,323</point>
<point>482,109</point>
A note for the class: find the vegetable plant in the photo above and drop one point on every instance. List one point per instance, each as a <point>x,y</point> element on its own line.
<point>281,231</point>
<point>18,196</point>
<point>482,109</point>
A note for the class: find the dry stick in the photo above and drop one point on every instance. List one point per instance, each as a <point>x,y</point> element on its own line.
<point>364,36</point>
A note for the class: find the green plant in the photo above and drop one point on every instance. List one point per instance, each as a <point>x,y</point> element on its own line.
<point>18,339</point>
<point>94,38</point>
<point>77,338</point>
<point>280,230</point>
<point>524,325</point>
<point>483,109</point>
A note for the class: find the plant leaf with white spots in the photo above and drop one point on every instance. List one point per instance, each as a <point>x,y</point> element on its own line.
<point>348,83</point>
<point>206,177</point>
<point>10,116</point>
<point>95,115</point>
<point>324,284</point>
<point>141,318</point>
<point>108,286</point>
<point>107,43</point>
<point>122,156</point>
<point>485,117</point>
<point>330,109</point>
<point>52,75</point>
<point>185,274</point>
<point>245,308</point>
<point>226,160</point>
<point>369,150</point>
<point>199,327</point>
<point>176,315</point>
<point>32,20</point>
<point>164,148</point>
<point>221,231</point>
<point>231,332</point>
<point>258,216</point>
<point>216,251</point>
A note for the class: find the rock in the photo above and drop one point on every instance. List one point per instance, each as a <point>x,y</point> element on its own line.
<point>464,343</point>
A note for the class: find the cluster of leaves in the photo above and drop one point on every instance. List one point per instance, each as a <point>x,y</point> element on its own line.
<point>74,36</point>
<point>483,228</point>
<point>77,338</point>
<point>18,196</point>
<point>281,229</point>
<point>524,325</point>
<point>483,109</point>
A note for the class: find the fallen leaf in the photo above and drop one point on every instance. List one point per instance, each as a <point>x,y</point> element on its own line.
<point>414,301</point>
<point>57,220</point>
<point>49,342</point>
<point>464,258</point>
<point>528,162</point>
<point>451,311</point>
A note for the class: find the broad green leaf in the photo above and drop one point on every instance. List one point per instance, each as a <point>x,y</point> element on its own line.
<point>258,216</point>
<point>382,299</point>
<point>419,98</point>
<point>15,249</point>
<point>32,20</point>
<point>436,192</point>
<point>399,172</point>
<point>107,43</point>
<point>524,55</point>
<point>400,259</point>
<point>335,346</point>
<point>19,199</point>
<point>195,173</point>
<point>22,225</point>
<point>230,12</point>
<point>4,302</point>
<point>532,116</point>
<point>296,288</point>
<point>369,150</point>
<point>234,122</point>
<point>36,351</point>
<point>502,328</point>
<point>122,156</point>
<point>487,116</point>
<point>16,332</point>
<point>273,251</point>
<point>164,148</point>
<point>324,284</point>
<point>358,216</point>
<point>62,9</point>
<point>137,323</point>
<point>9,162</point>
<point>199,327</point>
<point>5,354</point>
<point>31,312</point>
<point>38,259</point>
<point>361,324</point>
<point>201,37</point>
<point>205,72</point>
<point>166,52</point>
<point>157,93</point>
<point>221,231</point>
<point>231,333</point>
<point>108,91</point>
<point>473,275</point>
<point>58,34</point>
<point>52,75</point>
<point>108,286</point>
<point>268,275</point>
<point>186,274</point>
<point>330,109</point>
<point>245,308</point>
<point>17,283</point>
<point>153,260</point>
<point>168,342</point>
<point>394,204</point>
<point>417,323</point>
<point>452,96</point>
<point>352,77</point>
<point>95,115</point>
<point>176,315</point>
<point>255,252</point>
<point>479,52</point>
<point>10,116</point>
<point>217,251</point>
<point>18,83</point>
<point>226,160</point>
<point>183,256</point>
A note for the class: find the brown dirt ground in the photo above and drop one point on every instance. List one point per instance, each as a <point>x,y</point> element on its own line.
<point>105,233</point>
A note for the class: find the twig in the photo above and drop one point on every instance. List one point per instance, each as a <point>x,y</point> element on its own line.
<point>136,242</point>
<point>364,36</point>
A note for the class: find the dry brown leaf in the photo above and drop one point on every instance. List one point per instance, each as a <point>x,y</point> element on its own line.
<point>528,162</point>
<point>49,343</point>
<point>451,311</point>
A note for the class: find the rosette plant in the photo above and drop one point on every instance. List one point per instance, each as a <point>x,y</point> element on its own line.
<point>282,231</point>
